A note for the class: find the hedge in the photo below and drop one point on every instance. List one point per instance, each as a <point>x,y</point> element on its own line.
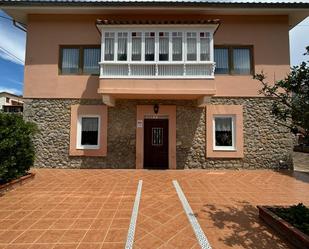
<point>16,146</point>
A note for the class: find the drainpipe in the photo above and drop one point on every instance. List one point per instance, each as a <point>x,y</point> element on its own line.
<point>20,26</point>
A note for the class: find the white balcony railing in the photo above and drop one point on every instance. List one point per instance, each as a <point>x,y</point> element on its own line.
<point>154,70</point>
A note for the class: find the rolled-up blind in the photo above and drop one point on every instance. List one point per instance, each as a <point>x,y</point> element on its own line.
<point>90,131</point>
<point>223,131</point>
<point>90,124</point>
<point>223,124</point>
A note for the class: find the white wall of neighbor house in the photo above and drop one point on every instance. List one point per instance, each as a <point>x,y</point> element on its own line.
<point>7,99</point>
<point>2,101</point>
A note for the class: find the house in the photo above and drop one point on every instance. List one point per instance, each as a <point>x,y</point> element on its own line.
<point>156,84</point>
<point>10,102</point>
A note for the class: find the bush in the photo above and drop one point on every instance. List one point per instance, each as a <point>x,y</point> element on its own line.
<point>297,215</point>
<point>16,147</point>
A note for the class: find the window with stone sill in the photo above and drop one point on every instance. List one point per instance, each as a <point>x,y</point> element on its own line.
<point>224,132</point>
<point>88,132</point>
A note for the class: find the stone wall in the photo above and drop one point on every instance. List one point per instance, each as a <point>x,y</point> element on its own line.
<point>265,142</point>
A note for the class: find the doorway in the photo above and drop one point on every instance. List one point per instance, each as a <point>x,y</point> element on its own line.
<point>156,145</point>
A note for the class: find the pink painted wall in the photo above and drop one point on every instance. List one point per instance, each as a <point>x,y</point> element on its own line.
<point>268,35</point>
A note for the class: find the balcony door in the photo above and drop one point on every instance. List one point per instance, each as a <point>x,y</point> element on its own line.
<point>156,143</point>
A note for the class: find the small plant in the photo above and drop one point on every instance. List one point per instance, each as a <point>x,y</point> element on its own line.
<point>16,146</point>
<point>297,215</point>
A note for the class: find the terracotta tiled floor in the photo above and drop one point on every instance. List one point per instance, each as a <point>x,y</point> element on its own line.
<point>91,209</point>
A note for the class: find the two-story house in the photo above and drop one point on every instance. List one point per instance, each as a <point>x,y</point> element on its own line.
<point>11,102</point>
<point>156,84</point>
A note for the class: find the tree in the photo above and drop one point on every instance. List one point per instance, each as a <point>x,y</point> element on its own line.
<point>291,98</point>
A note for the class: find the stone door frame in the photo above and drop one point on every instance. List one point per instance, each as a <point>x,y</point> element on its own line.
<point>147,110</point>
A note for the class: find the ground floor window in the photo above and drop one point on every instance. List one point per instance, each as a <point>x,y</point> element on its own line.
<point>224,133</point>
<point>88,132</point>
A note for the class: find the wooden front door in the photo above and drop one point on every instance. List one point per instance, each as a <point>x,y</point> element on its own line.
<point>156,143</point>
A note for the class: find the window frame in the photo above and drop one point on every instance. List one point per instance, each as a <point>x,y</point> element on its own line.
<point>230,49</point>
<point>81,59</point>
<point>79,133</point>
<point>224,148</point>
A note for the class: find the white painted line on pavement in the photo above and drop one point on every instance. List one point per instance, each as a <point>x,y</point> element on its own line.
<point>201,237</point>
<point>131,231</point>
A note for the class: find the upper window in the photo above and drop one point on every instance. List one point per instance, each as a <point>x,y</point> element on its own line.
<point>157,46</point>
<point>7,100</point>
<point>79,59</point>
<point>88,132</point>
<point>136,46</point>
<point>224,133</point>
<point>157,52</point>
<point>177,41</point>
<point>233,60</point>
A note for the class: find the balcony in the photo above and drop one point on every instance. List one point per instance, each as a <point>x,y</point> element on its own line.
<point>157,61</point>
<point>159,70</point>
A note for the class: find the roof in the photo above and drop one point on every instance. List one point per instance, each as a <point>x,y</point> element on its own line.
<point>142,22</point>
<point>96,2</point>
<point>11,94</point>
<point>297,10</point>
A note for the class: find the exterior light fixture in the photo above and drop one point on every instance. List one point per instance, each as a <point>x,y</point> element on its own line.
<point>156,108</point>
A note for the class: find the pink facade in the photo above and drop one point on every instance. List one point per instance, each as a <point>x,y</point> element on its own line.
<point>47,32</point>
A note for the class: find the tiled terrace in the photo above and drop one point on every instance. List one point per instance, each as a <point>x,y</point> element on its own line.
<point>91,209</point>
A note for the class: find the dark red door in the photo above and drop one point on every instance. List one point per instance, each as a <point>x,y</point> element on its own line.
<point>156,143</point>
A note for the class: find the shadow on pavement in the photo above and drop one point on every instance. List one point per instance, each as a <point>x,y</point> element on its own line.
<point>240,227</point>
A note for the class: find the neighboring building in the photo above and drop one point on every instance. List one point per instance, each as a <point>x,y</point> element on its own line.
<point>10,102</point>
<point>134,84</point>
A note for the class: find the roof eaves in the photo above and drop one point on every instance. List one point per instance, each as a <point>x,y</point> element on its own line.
<point>155,22</point>
<point>180,3</point>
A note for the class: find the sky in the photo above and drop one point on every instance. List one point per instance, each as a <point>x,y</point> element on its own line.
<point>13,42</point>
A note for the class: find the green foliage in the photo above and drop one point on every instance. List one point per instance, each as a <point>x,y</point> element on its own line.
<point>16,147</point>
<point>297,215</point>
<point>291,97</point>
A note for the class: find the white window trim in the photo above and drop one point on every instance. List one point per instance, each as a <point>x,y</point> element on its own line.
<point>224,148</point>
<point>79,133</point>
<point>168,28</point>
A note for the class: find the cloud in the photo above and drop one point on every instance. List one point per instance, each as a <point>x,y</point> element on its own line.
<point>15,81</point>
<point>11,90</point>
<point>298,42</point>
<point>10,57</point>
